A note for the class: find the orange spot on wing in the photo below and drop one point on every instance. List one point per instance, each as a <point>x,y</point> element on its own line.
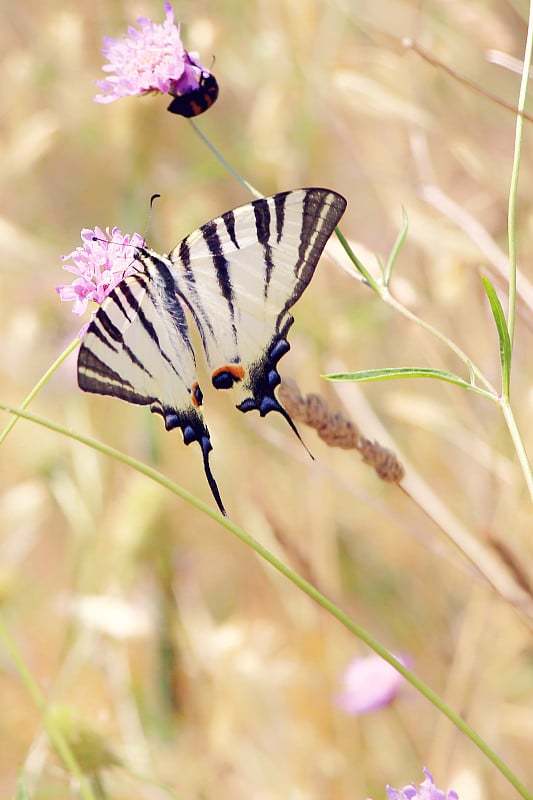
<point>237,370</point>
<point>196,395</point>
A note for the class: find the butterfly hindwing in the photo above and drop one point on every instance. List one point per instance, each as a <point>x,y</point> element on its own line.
<point>137,348</point>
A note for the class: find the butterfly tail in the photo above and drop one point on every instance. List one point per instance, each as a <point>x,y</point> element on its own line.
<point>193,429</point>
<point>269,403</point>
<point>264,379</point>
<point>285,414</point>
<point>206,446</point>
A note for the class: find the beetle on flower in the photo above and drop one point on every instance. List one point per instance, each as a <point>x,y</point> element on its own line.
<point>152,58</point>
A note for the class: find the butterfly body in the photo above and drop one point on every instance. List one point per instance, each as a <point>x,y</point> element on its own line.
<point>239,275</point>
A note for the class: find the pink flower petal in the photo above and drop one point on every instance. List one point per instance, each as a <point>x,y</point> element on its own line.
<point>368,684</point>
<point>101,263</point>
<point>426,791</point>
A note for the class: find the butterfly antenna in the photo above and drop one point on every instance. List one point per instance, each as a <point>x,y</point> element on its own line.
<point>150,214</point>
<point>206,446</point>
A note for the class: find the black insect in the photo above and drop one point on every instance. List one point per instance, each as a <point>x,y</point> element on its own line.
<point>195,102</point>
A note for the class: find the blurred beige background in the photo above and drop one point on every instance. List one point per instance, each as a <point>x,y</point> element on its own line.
<point>219,677</point>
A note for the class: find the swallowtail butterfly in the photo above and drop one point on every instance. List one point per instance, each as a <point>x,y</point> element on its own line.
<point>238,276</point>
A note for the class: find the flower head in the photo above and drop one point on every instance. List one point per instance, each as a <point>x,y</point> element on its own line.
<point>149,58</point>
<point>90,749</point>
<point>100,264</point>
<point>426,791</point>
<point>368,684</point>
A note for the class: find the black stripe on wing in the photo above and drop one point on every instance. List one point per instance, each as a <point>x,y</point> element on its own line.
<point>94,375</point>
<point>229,221</point>
<point>192,302</point>
<point>262,227</point>
<point>220,263</point>
<point>168,296</point>
<point>279,204</point>
<point>221,268</point>
<point>322,210</point>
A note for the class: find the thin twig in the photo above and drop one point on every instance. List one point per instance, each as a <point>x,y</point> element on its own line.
<point>411,45</point>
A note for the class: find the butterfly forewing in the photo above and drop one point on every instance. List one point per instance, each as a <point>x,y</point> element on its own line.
<point>242,272</point>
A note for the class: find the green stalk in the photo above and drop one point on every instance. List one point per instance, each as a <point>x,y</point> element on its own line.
<point>472,368</point>
<point>503,330</point>
<point>294,578</point>
<point>518,442</point>
<point>383,292</point>
<point>38,386</point>
<point>223,161</point>
<point>513,189</point>
<point>54,732</point>
<point>397,246</point>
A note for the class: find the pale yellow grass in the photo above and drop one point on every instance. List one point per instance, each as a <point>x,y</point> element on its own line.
<point>203,669</point>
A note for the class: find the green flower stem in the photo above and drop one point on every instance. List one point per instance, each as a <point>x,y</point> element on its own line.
<point>472,369</point>
<point>493,394</point>
<point>385,295</point>
<point>38,386</point>
<point>298,581</point>
<point>55,734</point>
<point>223,161</point>
<point>513,189</point>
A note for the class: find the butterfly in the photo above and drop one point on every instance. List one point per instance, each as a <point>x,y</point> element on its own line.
<point>238,276</point>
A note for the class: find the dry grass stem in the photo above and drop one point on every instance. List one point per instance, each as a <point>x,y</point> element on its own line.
<point>336,430</point>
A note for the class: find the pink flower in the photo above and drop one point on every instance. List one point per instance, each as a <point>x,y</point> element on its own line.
<point>368,684</point>
<point>101,263</point>
<point>149,58</point>
<point>427,791</point>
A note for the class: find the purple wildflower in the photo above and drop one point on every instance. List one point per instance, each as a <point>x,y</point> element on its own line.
<point>149,58</point>
<point>100,263</point>
<point>368,684</point>
<point>427,791</point>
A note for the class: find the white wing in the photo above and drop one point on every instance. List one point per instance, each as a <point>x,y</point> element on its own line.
<point>137,348</point>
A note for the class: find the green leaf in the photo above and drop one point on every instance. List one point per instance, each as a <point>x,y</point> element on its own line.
<point>503,334</point>
<point>370,280</point>
<point>22,791</point>
<point>389,373</point>
<point>398,244</point>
